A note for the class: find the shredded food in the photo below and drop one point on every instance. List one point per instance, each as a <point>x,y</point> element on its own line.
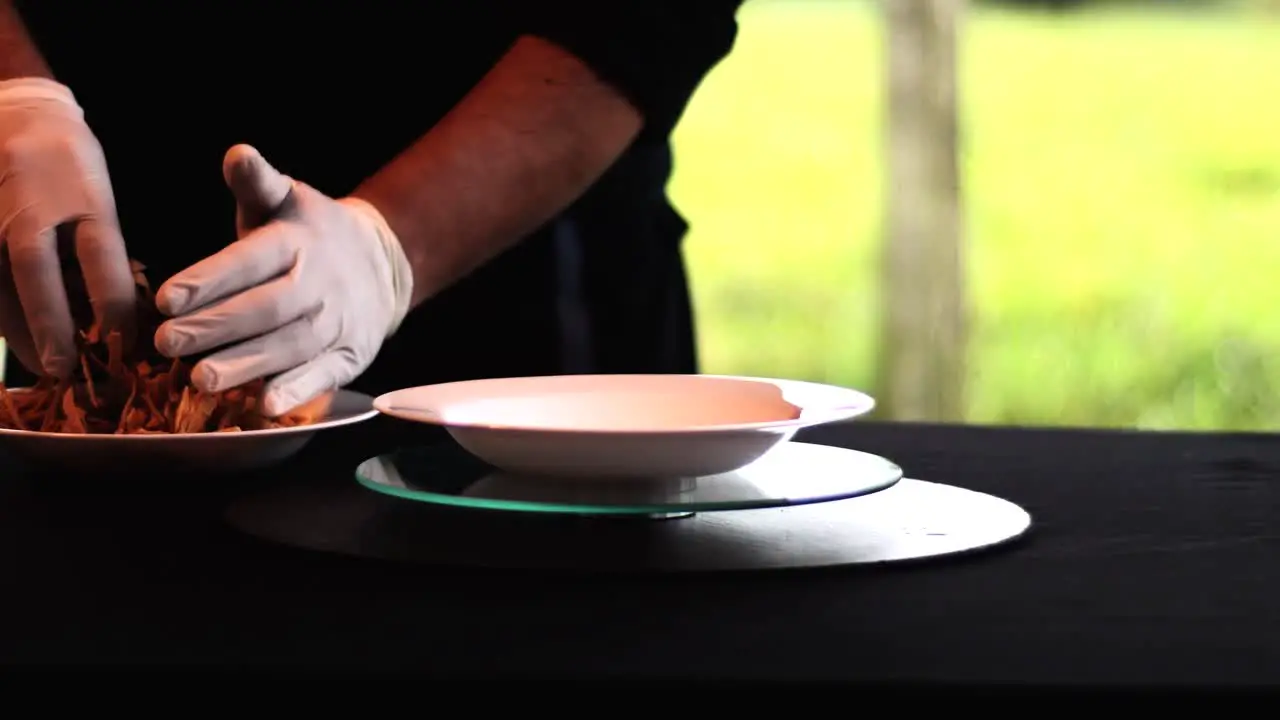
<point>136,391</point>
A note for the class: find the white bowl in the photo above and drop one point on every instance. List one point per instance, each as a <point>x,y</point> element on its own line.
<point>623,426</point>
<point>214,452</point>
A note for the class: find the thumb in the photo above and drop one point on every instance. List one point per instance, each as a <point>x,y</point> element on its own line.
<point>259,189</point>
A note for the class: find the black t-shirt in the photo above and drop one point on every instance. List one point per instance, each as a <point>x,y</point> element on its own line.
<point>329,92</point>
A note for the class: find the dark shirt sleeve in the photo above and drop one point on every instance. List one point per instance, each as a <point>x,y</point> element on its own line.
<point>655,52</point>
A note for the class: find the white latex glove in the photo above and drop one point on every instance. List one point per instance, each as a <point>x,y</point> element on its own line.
<point>308,297</point>
<point>53,177</point>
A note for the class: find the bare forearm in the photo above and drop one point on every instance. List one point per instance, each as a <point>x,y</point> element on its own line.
<point>19,56</point>
<point>523,145</point>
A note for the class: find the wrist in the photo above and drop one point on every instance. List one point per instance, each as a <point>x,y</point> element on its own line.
<point>27,90</point>
<point>401,273</point>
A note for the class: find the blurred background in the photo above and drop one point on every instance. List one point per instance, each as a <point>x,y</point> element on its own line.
<point>1119,165</point>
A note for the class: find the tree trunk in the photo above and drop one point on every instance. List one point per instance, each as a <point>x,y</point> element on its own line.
<point>924,314</point>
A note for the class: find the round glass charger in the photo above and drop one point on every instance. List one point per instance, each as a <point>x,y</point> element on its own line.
<point>791,474</point>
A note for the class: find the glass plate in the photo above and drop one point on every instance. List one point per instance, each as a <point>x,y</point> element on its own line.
<point>791,474</point>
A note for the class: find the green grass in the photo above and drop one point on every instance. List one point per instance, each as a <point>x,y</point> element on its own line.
<point>1122,173</point>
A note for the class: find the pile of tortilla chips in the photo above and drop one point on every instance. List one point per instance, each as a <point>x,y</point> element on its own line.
<point>135,391</point>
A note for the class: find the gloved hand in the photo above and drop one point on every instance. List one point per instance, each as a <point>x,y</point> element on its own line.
<point>308,297</point>
<point>53,178</point>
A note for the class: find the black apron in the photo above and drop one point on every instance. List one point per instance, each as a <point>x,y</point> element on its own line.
<point>330,96</point>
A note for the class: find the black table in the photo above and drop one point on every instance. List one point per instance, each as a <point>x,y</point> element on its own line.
<point>1155,559</point>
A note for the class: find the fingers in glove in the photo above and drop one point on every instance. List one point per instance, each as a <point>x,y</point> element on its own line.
<point>284,349</point>
<point>303,384</point>
<point>37,276</point>
<point>13,322</point>
<point>258,188</point>
<point>262,255</point>
<point>108,277</point>
<point>256,311</point>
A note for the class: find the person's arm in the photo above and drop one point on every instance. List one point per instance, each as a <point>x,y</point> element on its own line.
<point>549,119</point>
<point>19,56</point>
<point>530,137</point>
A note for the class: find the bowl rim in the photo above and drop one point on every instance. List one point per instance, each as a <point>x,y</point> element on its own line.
<point>857,403</point>
<point>326,424</point>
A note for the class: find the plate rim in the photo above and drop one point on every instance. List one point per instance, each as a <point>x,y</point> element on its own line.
<point>894,469</point>
<point>864,404</point>
<point>359,417</point>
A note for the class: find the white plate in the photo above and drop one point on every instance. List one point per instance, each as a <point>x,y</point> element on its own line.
<point>205,452</point>
<point>611,426</point>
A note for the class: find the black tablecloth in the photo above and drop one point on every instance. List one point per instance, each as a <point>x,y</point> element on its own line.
<point>1155,558</point>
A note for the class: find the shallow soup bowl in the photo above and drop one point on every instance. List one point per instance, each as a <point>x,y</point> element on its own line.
<point>623,426</point>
